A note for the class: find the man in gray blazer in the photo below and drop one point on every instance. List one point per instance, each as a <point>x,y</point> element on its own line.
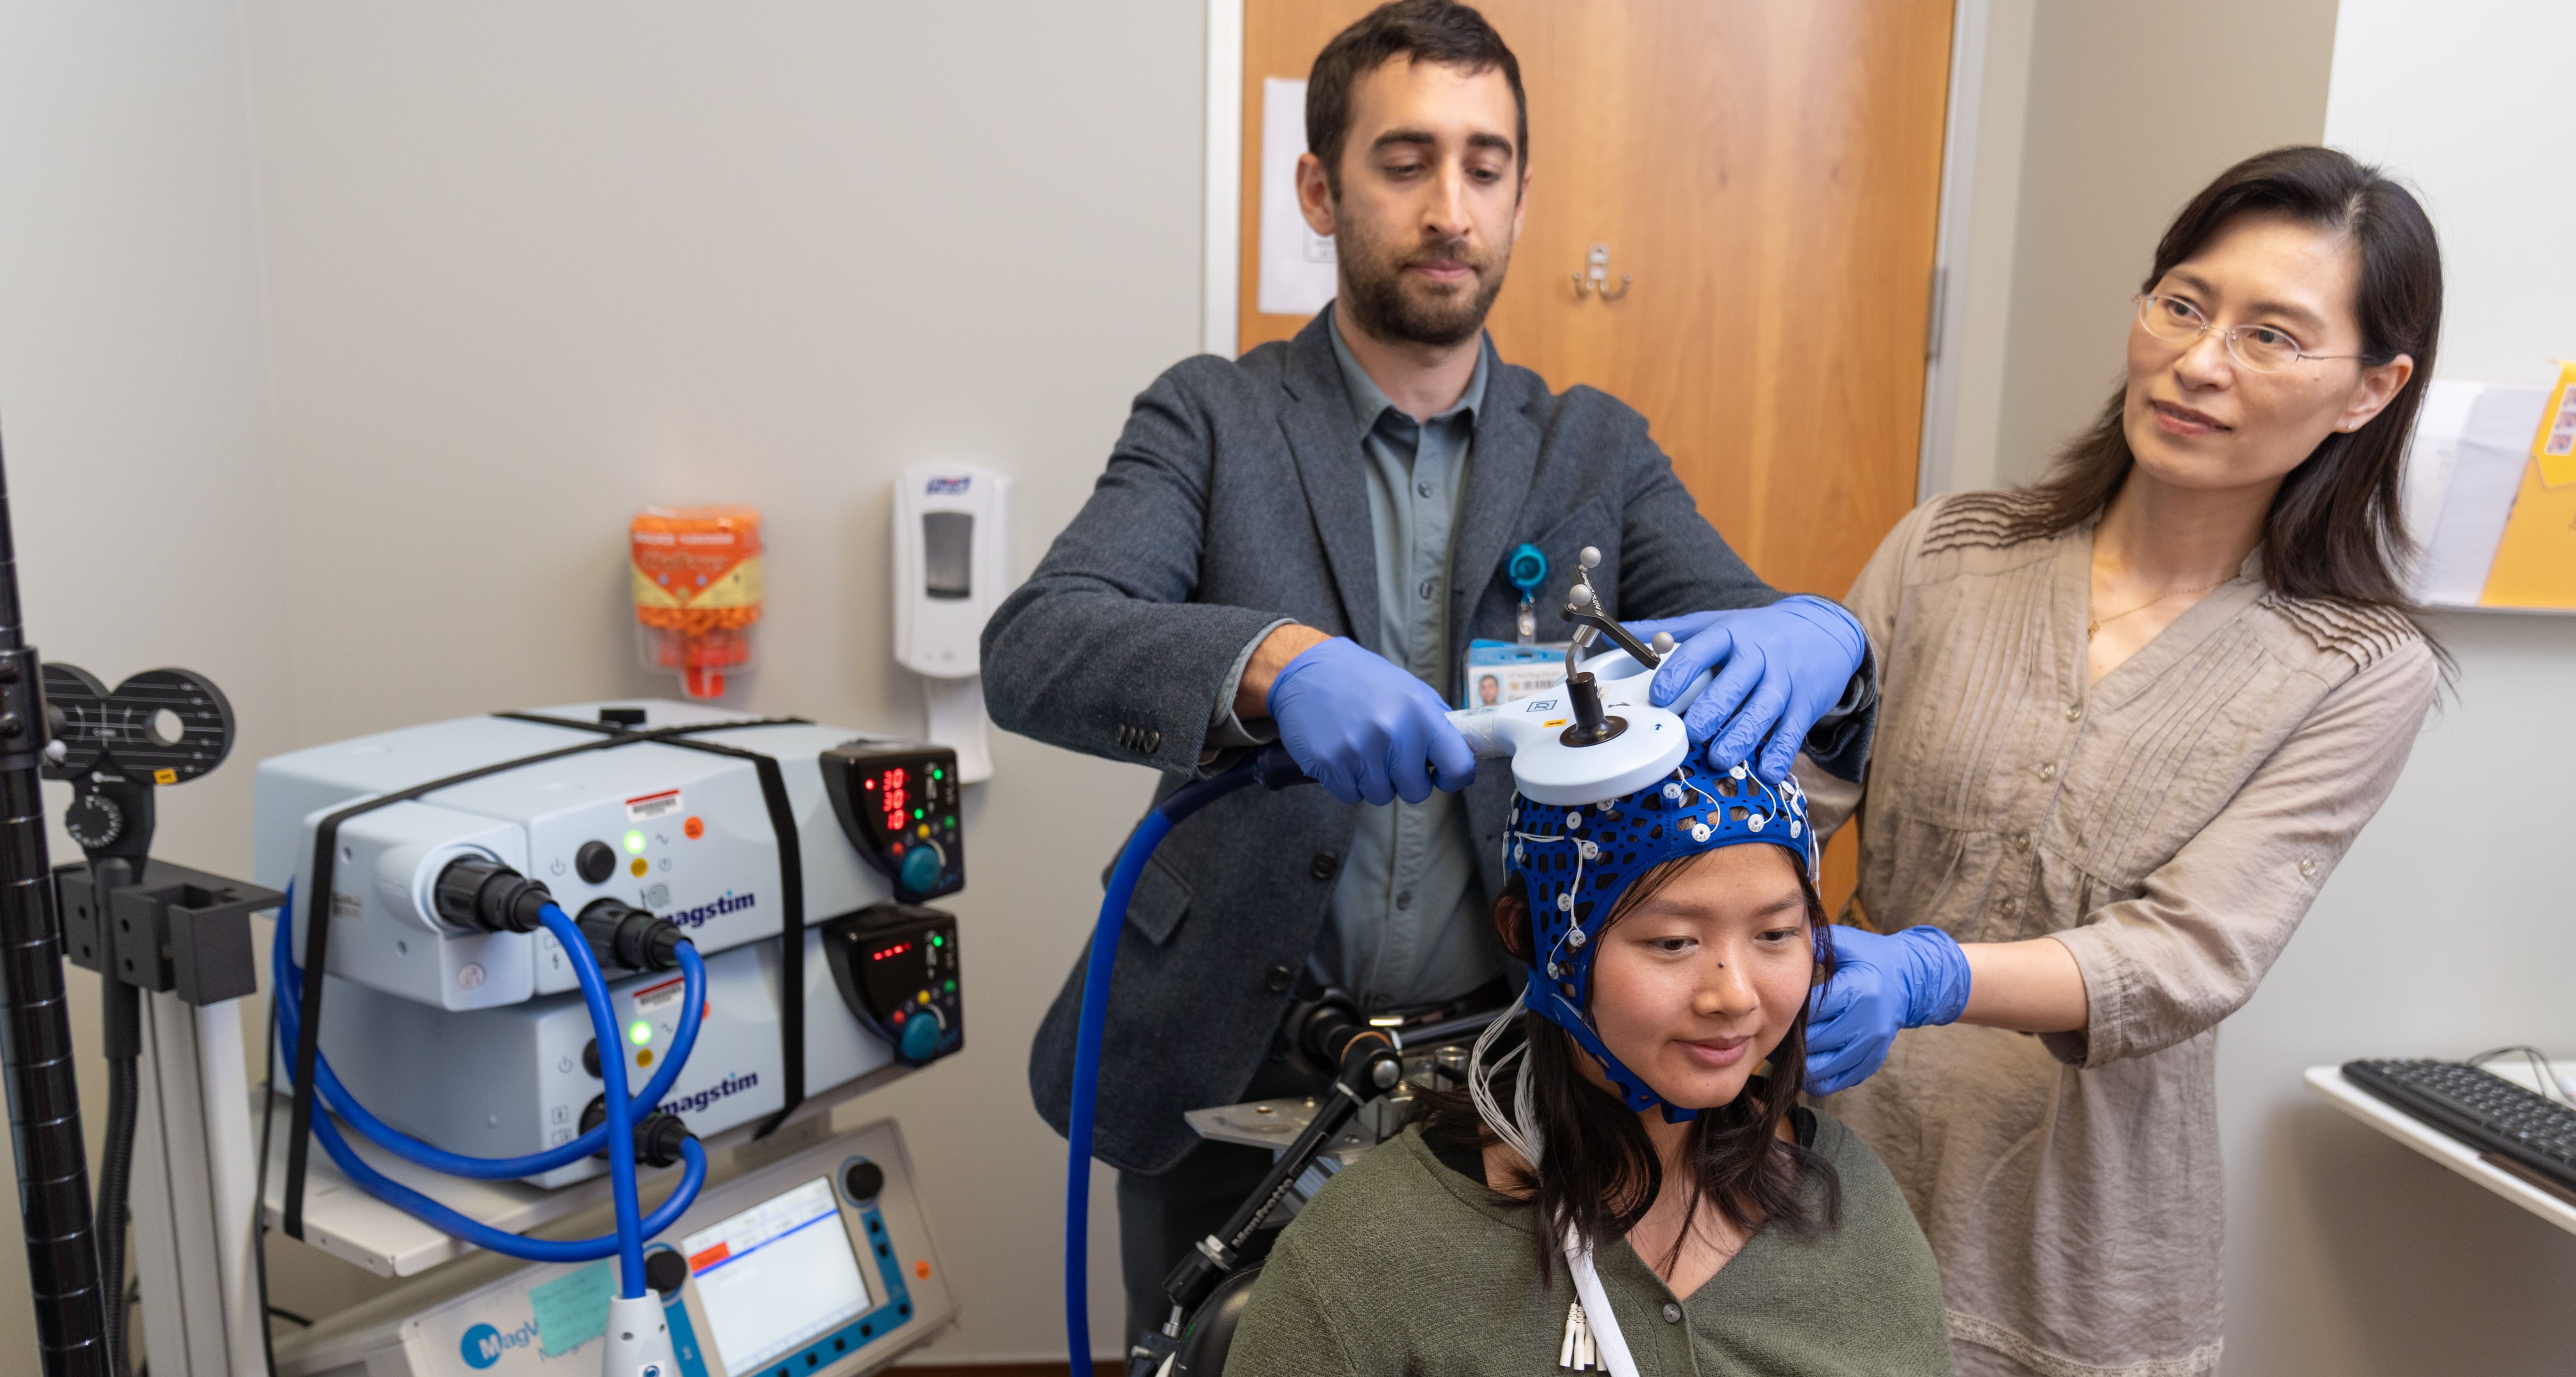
<point>1301,543</point>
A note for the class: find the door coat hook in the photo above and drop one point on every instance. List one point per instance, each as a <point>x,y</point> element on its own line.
<point>1595,277</point>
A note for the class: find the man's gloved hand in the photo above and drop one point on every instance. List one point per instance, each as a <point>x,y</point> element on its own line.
<point>1780,669</point>
<point>1913,979</point>
<point>1365,729</point>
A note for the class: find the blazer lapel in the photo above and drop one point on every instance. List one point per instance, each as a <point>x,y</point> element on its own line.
<point>1500,469</point>
<point>1318,426</point>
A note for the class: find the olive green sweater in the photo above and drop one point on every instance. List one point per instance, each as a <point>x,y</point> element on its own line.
<point>1403,1267</point>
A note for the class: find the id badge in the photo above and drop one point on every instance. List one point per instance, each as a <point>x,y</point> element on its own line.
<point>1503,672</point>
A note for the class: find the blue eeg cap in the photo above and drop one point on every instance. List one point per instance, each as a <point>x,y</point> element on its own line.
<point>1574,863</point>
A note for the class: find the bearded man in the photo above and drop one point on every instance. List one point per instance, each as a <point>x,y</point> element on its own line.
<point>1299,546</point>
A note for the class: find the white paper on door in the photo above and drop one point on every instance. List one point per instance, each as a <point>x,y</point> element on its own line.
<point>1296,262</point>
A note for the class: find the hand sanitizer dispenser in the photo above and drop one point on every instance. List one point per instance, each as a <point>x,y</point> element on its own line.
<point>952,544</point>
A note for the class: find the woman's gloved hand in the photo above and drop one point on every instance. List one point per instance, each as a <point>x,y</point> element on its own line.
<point>1913,979</point>
<point>1780,669</point>
<point>1364,728</point>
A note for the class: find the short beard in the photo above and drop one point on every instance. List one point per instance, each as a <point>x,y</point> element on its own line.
<point>1373,291</point>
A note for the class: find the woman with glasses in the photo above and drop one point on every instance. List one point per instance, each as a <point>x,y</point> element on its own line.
<point>2130,719</point>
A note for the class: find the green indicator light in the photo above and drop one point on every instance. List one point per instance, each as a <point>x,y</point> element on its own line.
<point>938,941</point>
<point>635,842</point>
<point>916,815</point>
<point>952,987</point>
<point>938,773</point>
<point>951,820</point>
<point>640,1034</point>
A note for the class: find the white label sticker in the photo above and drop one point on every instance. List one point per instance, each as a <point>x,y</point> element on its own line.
<point>651,806</point>
<point>660,997</point>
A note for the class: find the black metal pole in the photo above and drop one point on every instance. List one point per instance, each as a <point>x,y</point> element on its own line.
<point>35,1022</point>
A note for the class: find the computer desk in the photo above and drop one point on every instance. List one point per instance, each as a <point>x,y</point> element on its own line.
<point>2557,1207</point>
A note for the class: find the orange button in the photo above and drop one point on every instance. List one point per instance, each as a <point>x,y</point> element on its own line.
<point>694,828</point>
<point>921,1270</point>
<point>638,866</point>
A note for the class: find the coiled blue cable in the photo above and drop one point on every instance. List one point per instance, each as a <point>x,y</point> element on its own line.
<point>616,1134</point>
<point>285,975</point>
<point>1103,961</point>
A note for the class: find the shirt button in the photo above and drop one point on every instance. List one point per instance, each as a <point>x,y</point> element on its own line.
<point>1323,865</point>
<point>1404,899</point>
<point>1276,979</point>
<point>1425,590</point>
<point>2009,905</point>
<point>2307,868</point>
<point>2021,841</point>
<point>1672,1313</point>
<point>1426,490</point>
<point>2074,712</point>
<point>2047,771</point>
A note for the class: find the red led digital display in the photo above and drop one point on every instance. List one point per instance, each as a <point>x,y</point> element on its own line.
<point>897,949</point>
<point>894,799</point>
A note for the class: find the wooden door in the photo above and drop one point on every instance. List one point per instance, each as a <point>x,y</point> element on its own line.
<point>1769,173</point>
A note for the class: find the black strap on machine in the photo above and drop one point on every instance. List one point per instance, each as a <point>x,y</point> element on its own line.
<point>317,905</point>
<point>791,904</point>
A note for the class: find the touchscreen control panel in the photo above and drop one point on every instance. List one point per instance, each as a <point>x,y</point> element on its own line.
<point>816,1265</point>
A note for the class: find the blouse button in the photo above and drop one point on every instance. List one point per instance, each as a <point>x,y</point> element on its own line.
<point>2009,905</point>
<point>2307,868</point>
<point>2021,841</point>
<point>2074,711</point>
<point>1672,1313</point>
<point>2047,771</point>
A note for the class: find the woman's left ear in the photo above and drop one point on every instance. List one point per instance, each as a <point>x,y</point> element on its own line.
<point>2379,386</point>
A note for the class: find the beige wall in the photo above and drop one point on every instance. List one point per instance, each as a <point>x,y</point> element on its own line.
<point>343,390</point>
<point>2130,109</point>
<point>531,268</point>
<point>134,407</point>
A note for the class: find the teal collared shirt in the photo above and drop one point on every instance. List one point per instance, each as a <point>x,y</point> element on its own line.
<point>1407,924</point>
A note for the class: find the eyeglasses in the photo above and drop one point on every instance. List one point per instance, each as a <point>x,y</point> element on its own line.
<point>2262,348</point>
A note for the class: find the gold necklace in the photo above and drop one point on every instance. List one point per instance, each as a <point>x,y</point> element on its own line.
<point>2093,624</point>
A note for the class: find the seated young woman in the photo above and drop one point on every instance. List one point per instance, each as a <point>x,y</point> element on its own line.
<point>1644,1194</point>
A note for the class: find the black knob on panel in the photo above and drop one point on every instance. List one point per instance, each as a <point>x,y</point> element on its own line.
<point>863,1181</point>
<point>595,861</point>
<point>666,1272</point>
<point>621,717</point>
<point>590,1061</point>
<point>94,822</point>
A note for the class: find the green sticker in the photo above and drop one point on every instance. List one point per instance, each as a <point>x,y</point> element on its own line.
<point>572,1310</point>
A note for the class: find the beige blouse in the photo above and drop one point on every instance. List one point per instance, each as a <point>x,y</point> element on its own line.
<point>2170,825</point>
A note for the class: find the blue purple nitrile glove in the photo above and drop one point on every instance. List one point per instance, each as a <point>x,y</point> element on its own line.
<point>1881,983</point>
<point>1366,730</point>
<point>1779,669</point>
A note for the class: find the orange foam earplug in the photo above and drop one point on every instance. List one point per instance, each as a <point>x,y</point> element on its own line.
<point>697,585</point>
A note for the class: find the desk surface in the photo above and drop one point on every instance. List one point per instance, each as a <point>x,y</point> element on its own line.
<point>2460,1157</point>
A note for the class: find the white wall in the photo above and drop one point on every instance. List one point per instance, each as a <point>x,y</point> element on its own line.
<point>134,406</point>
<point>2447,931</point>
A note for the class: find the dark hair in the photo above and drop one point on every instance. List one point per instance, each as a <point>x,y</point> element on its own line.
<point>1438,31</point>
<point>1601,1174</point>
<point>2334,529</point>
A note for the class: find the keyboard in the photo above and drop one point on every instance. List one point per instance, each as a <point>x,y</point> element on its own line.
<point>2481,1109</point>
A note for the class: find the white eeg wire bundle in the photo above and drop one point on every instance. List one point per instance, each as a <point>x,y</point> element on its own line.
<point>1592,1337</point>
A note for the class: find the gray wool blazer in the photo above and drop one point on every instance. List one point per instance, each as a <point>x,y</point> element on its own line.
<point>1234,498</point>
